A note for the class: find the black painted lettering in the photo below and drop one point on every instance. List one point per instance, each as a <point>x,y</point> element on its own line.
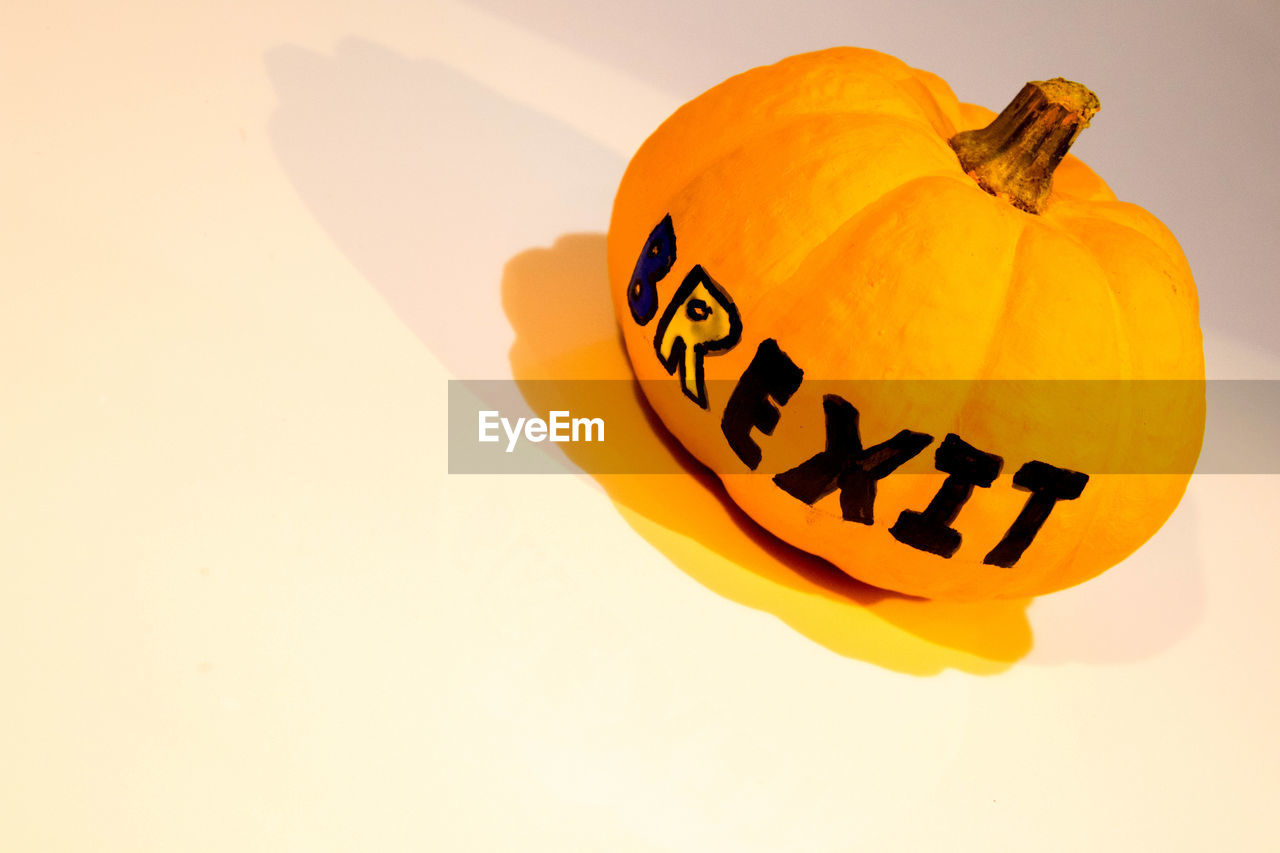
<point>846,466</point>
<point>966,467</point>
<point>771,374</point>
<point>1047,485</point>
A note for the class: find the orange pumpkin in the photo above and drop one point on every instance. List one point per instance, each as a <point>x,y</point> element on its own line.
<point>800,254</point>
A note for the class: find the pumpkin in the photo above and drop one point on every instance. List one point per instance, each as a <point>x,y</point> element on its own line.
<point>911,336</point>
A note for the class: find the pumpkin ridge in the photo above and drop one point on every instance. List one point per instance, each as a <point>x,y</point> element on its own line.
<point>1091,211</point>
<point>1123,335</point>
<point>990,350</point>
<point>1118,323</point>
<point>941,92</point>
<point>1075,182</point>
<point>892,69</point>
<point>1060,565</point>
<point>919,124</point>
<point>794,66</point>
<point>817,255</point>
<point>942,123</point>
<point>919,86</point>
<point>766,281</point>
<point>1171,252</point>
<point>992,339</point>
<point>915,125</point>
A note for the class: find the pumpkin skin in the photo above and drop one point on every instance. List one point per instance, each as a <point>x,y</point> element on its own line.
<point>821,193</point>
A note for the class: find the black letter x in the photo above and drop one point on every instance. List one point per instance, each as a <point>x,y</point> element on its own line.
<point>845,465</point>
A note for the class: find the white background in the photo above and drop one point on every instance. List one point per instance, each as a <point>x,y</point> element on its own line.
<point>243,607</point>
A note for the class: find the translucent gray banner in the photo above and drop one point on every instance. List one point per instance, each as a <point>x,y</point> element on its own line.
<point>1100,427</point>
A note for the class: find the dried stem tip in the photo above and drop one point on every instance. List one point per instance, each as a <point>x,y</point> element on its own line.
<point>1014,156</point>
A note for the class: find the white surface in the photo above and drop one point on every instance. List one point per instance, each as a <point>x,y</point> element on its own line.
<point>244,608</point>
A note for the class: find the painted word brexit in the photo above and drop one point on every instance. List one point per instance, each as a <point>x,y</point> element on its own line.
<point>700,320</point>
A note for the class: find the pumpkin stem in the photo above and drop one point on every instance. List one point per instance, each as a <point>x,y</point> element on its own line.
<point>1014,156</point>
